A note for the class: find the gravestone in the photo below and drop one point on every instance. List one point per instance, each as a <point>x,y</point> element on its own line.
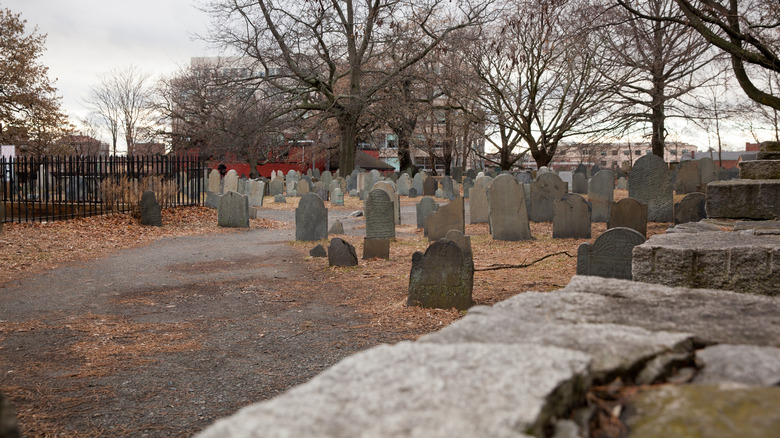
<point>376,248</point>
<point>326,178</point>
<point>430,186</point>
<point>579,183</point>
<point>151,213</point>
<point>417,182</point>
<point>457,174</point>
<point>341,253</point>
<point>524,177</point>
<point>622,183</point>
<point>581,168</point>
<point>610,254</point>
<point>311,218</point>
<point>594,170</point>
<point>230,182</point>
<point>629,213</point>
<point>601,193</point>
<point>323,193</point>
<point>412,192</point>
<point>242,186</point>
<point>316,174</point>
<point>255,193</point>
<point>336,228</point>
<point>690,208</point>
<point>318,251</point>
<point>566,177</point>
<point>479,211</point>
<point>212,200</point>
<point>276,187</point>
<point>708,171</point>
<point>280,199</point>
<point>468,184</point>
<point>302,187</point>
<point>460,239</point>
<point>380,219</point>
<point>404,184</point>
<point>687,177</point>
<point>390,190</point>
<point>214,181</point>
<point>547,189</point>
<point>442,277</point>
<point>337,197</point>
<point>471,173</point>
<point>445,218</point>
<point>425,208</point>
<point>571,219</point>
<point>233,210</point>
<point>439,194</point>
<point>447,189</point>
<point>507,212</point>
<point>650,182</point>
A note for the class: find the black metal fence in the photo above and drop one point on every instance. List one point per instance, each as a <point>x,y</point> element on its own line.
<point>58,188</point>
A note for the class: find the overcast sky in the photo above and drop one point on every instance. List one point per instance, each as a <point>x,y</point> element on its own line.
<point>87,38</point>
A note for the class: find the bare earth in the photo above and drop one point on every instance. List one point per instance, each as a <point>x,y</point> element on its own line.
<point>108,328</point>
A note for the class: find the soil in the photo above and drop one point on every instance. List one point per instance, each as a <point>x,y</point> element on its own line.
<point>131,331</point>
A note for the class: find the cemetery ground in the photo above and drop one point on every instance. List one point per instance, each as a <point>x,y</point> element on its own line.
<point>89,352</point>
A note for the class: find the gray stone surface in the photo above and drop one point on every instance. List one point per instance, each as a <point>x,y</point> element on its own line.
<point>601,194</point>
<point>388,188</point>
<point>233,211</point>
<point>380,216</point>
<point>151,213</point>
<point>708,170</point>
<point>429,187</point>
<point>442,277</point>
<point>479,210</point>
<point>508,213</point>
<point>280,199</point>
<point>687,177</point>
<point>212,200</point>
<point>717,260</point>
<point>302,187</point>
<point>447,188</point>
<point>744,199</point>
<point>255,192</point>
<point>571,218</point>
<point>690,208</point>
<point>445,218</point>
<point>425,208</point>
<point>214,181</point>
<point>404,184</point>
<point>318,251</point>
<point>276,187</point>
<point>311,218</point>
<point>337,197</point>
<point>376,248</point>
<point>650,182</point>
<point>547,189</point>
<point>759,169</point>
<point>579,183</point>
<point>693,227</point>
<point>610,254</point>
<point>758,227</point>
<point>748,364</point>
<point>230,183</point>
<point>336,228</point>
<point>468,184</point>
<point>417,183</point>
<point>341,253</point>
<point>622,183</point>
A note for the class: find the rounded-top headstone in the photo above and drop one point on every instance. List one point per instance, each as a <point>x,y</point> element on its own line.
<point>311,218</point>
<point>508,214</point>
<point>650,182</point>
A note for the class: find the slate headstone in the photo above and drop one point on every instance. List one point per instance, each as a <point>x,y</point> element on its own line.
<point>687,177</point>
<point>380,219</point>
<point>445,218</point>
<point>601,193</point>
<point>212,200</point>
<point>276,187</point>
<point>507,211</point>
<point>337,197</point>
<point>430,186</point>
<point>341,253</point>
<point>581,168</point>
<point>151,213</point>
<point>479,210</point>
<point>594,170</point>
<point>318,251</point>
<point>323,193</point>
<point>233,210</point>
<point>391,193</point>
<point>457,174</point>
<point>447,189</point>
<point>442,277</point>
<point>468,184</point>
<point>650,182</point>
<point>302,187</point>
<point>566,176</point>
<point>471,173</point>
<point>412,192</point>
<point>610,254</point>
<point>524,177</point>
<point>336,228</point>
<point>311,218</point>
<point>708,170</point>
<point>579,183</point>
<point>690,208</point>
<point>629,213</point>
<point>547,189</point>
<point>571,219</point>
<point>376,248</point>
<point>425,208</point>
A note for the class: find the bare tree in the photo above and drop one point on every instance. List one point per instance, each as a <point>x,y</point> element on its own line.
<point>334,54</point>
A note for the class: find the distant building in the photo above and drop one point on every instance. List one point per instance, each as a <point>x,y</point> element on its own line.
<point>79,144</point>
<point>614,155</point>
<point>146,149</point>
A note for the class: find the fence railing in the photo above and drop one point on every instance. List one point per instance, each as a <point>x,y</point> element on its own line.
<point>58,188</point>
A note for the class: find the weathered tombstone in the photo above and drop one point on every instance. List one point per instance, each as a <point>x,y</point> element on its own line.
<point>610,254</point>
<point>622,183</point>
<point>280,199</point>
<point>571,219</point>
<point>341,253</point>
<point>302,187</point>
<point>230,182</point>
<point>579,183</point>
<point>417,182</point>
<point>326,178</point>
<point>442,278</point>
<point>214,181</point>
<point>708,170</point>
<point>547,189</point>
<point>524,177</point>
<point>337,197</point>
<point>687,177</point>
<point>479,211</point>
<point>380,219</point>
<point>404,184</point>
<point>457,174</point>
<point>391,193</point>
<point>439,194</point>
<point>212,200</point>
<point>629,213</point>
<point>445,218</point>
<point>463,241</point>
<point>425,208</point>
<point>690,208</point>
<point>594,170</point>
<point>336,228</point>
<point>311,218</point>
<point>601,193</point>
<point>318,251</point>
<point>471,173</point>
<point>412,192</point>
<point>151,213</point>
<point>322,192</point>
<point>507,212</point>
<point>276,187</point>
<point>429,186</point>
<point>316,173</point>
<point>581,168</point>
<point>468,184</point>
<point>242,186</point>
<point>650,182</point>
<point>255,193</point>
<point>376,248</point>
<point>233,210</point>
<point>566,176</point>
<point>447,189</point>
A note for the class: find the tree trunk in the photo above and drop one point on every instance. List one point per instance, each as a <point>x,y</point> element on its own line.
<point>348,128</point>
<point>404,153</point>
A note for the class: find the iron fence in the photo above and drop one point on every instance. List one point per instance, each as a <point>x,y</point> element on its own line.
<point>58,188</point>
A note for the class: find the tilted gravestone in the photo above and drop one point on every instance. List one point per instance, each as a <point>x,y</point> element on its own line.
<point>255,192</point>
<point>214,181</point>
<point>650,182</point>
<point>547,189</point>
<point>447,188</point>
<point>311,218</point>
<point>442,277</point>
<point>708,170</point>
<point>425,208</point>
<point>376,248</point>
<point>690,208</point>
<point>687,177</point>
<point>430,186</point>
<point>151,213</point>
<point>579,183</point>
<point>336,228</point>
<point>233,211</point>
<point>468,184</point>
<point>507,212</point>
<point>230,182</point>
<point>629,213</point>
<point>380,219</point>
<point>610,254</point>
<point>571,219</point>
<point>445,218</point>
<point>341,253</point>
<point>601,193</point>
<point>479,211</point>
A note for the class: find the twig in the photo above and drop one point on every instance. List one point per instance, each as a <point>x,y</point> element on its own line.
<point>524,265</point>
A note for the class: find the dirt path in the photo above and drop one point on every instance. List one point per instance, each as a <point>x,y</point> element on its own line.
<point>161,340</point>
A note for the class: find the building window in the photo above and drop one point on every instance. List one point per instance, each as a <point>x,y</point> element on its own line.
<point>637,152</point>
<point>614,152</point>
<point>626,152</point>
<point>604,163</point>
<point>603,153</point>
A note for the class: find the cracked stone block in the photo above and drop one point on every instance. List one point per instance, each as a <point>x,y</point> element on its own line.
<point>759,169</point>
<point>744,199</point>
